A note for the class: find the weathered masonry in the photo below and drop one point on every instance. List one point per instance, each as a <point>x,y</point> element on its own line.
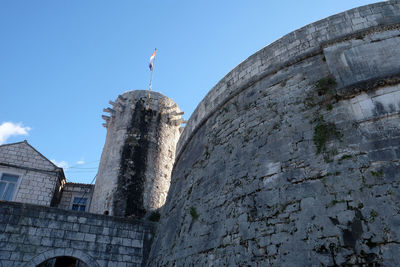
<point>32,235</point>
<point>137,159</point>
<point>293,158</point>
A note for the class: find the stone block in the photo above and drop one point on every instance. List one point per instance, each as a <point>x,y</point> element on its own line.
<point>351,62</point>
<point>72,218</point>
<point>95,230</point>
<point>17,238</point>
<point>84,228</point>
<point>74,235</point>
<point>127,242</point>
<point>61,243</point>
<point>28,256</point>
<point>67,226</point>
<point>16,256</point>
<point>13,228</point>
<point>43,232</point>
<point>81,245</point>
<point>57,233</point>
<point>116,241</point>
<point>48,242</point>
<point>103,239</point>
<point>137,243</point>
<point>89,237</point>
<point>76,227</point>
<point>82,220</point>
<point>54,225</point>
<point>32,240</point>
<point>5,255</point>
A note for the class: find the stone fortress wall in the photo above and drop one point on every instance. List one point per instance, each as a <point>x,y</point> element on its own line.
<point>137,159</point>
<point>293,157</point>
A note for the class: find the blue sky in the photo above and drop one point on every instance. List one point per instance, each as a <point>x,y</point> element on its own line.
<point>62,61</point>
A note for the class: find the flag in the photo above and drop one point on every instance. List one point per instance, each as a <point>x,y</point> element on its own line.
<point>151,65</point>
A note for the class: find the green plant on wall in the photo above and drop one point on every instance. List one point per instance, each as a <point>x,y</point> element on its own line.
<point>324,95</point>
<point>377,173</point>
<point>323,132</point>
<point>326,86</point>
<point>194,213</point>
<point>206,152</point>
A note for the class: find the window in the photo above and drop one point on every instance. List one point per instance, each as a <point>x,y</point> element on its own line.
<point>79,203</point>
<point>8,185</point>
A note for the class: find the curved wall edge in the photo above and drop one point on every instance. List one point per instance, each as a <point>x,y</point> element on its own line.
<point>305,42</point>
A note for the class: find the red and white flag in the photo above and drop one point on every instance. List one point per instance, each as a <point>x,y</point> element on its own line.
<point>151,65</point>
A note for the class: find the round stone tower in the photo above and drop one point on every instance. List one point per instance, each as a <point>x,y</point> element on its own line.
<point>135,167</point>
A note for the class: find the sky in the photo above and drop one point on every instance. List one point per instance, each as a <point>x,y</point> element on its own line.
<point>62,61</point>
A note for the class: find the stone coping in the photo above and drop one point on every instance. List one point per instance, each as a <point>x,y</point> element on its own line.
<point>78,184</point>
<point>139,93</point>
<point>32,210</point>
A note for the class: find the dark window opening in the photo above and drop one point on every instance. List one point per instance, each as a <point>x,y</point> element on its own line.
<point>79,203</point>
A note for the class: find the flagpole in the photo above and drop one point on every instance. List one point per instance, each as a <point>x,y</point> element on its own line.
<point>151,77</point>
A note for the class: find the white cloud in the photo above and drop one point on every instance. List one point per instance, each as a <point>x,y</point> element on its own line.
<point>62,164</point>
<point>8,129</point>
<point>80,162</point>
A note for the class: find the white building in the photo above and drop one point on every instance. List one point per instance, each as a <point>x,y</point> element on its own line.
<point>29,177</point>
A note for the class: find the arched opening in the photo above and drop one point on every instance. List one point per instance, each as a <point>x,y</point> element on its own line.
<point>63,261</point>
<point>63,255</point>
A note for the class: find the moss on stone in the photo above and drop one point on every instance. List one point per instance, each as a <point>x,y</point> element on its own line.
<point>377,173</point>
<point>326,85</point>
<point>345,157</point>
<point>323,132</point>
<point>194,213</point>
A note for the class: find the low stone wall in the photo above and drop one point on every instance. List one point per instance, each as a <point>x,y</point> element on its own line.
<point>31,234</point>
